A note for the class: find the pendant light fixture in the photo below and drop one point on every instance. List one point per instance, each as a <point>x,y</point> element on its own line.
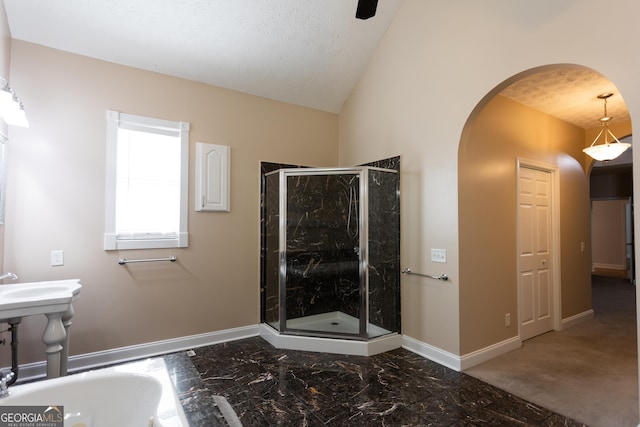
<point>608,150</point>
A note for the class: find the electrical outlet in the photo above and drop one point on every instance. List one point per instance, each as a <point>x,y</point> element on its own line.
<point>507,320</point>
<point>438,255</point>
<point>57,258</point>
<point>581,246</point>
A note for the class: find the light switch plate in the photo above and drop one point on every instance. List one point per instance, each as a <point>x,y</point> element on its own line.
<point>438,255</point>
<point>57,258</point>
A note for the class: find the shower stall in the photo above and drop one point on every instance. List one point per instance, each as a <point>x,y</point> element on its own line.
<point>330,260</point>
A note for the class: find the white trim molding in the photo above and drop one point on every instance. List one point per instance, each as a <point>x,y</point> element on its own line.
<point>477,357</point>
<point>621,267</point>
<point>572,321</point>
<point>115,239</point>
<point>460,363</point>
<point>141,351</point>
<point>86,361</point>
<point>430,352</point>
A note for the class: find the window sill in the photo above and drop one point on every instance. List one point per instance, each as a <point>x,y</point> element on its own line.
<point>112,243</point>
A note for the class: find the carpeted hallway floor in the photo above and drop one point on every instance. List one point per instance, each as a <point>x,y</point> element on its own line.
<point>589,372</point>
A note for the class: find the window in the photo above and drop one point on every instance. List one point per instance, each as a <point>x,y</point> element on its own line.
<point>147,182</point>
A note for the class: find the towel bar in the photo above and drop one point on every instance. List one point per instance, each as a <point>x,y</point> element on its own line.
<point>123,261</point>
<point>443,276</point>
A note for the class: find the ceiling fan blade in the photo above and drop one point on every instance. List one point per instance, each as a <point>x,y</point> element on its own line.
<point>366,9</point>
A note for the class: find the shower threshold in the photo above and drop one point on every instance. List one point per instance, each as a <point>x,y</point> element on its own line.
<point>336,322</point>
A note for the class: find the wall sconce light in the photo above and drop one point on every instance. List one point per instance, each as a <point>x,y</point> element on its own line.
<point>608,150</point>
<point>11,108</point>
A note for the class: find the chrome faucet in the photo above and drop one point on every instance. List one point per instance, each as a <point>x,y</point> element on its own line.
<point>8,275</point>
<point>4,383</point>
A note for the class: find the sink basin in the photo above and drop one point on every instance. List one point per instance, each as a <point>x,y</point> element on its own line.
<point>26,299</point>
<point>34,292</point>
<point>53,299</point>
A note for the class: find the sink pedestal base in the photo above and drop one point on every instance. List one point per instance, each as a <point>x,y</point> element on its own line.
<point>64,356</point>
<point>54,300</point>
<point>53,337</point>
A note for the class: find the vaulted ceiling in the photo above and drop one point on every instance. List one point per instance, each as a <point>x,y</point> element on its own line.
<point>305,52</point>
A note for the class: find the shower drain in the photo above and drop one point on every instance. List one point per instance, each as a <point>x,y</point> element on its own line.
<point>335,323</point>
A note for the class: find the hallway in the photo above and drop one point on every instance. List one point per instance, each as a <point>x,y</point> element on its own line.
<point>589,372</point>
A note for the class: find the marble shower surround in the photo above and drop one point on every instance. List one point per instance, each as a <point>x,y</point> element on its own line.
<point>322,261</point>
<point>322,254</point>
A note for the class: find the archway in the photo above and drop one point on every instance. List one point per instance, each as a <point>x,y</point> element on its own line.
<point>499,131</point>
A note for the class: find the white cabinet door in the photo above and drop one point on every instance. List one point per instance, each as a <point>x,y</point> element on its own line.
<point>212,177</point>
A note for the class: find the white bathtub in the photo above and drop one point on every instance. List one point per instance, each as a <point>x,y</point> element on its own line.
<point>135,394</point>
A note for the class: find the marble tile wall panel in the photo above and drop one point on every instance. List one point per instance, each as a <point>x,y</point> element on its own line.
<point>271,252</point>
<point>392,163</point>
<point>384,250</point>
<point>268,299</point>
<point>322,257</point>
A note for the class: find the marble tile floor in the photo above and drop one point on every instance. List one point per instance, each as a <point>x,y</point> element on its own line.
<point>267,387</point>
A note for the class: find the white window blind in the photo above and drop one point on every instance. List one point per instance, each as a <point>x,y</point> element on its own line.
<point>147,163</point>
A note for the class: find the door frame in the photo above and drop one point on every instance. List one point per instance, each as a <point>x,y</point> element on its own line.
<point>553,170</point>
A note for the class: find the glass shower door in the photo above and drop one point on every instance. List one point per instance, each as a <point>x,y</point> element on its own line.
<point>271,243</point>
<point>383,228</point>
<point>322,288</point>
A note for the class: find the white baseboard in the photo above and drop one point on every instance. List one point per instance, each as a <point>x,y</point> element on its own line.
<point>141,351</point>
<point>575,320</point>
<point>124,354</point>
<point>477,357</point>
<point>460,363</point>
<point>430,352</point>
<point>604,266</point>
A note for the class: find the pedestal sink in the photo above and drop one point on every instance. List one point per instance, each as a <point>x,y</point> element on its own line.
<point>54,300</point>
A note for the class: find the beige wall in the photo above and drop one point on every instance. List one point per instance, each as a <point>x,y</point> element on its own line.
<point>438,63</point>
<point>502,132</point>
<point>57,189</point>
<point>608,234</point>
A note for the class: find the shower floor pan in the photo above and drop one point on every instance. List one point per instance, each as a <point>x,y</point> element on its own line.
<point>336,322</point>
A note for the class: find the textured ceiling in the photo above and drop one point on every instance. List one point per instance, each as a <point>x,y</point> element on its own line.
<point>569,93</point>
<point>305,52</point>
